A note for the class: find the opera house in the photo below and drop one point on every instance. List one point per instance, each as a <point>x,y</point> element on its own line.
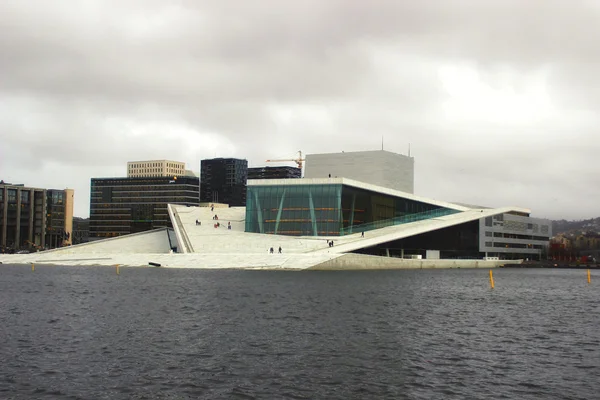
<point>336,217</point>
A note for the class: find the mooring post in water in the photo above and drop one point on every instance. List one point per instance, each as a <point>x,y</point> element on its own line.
<point>32,267</point>
<point>589,277</point>
<point>117,268</point>
<point>491,279</point>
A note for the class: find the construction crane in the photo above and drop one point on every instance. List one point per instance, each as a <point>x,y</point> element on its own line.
<point>298,160</point>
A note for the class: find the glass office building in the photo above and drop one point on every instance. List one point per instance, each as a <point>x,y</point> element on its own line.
<point>119,206</point>
<point>224,181</point>
<point>55,220</point>
<point>328,209</point>
<point>274,173</point>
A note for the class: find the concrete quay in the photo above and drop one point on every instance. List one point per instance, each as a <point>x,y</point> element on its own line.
<point>367,262</point>
<point>294,262</point>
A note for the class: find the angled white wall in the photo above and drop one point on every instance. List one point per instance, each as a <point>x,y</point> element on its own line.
<point>151,242</point>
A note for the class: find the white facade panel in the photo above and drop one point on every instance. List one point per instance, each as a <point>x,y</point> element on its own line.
<point>378,167</point>
<point>500,233</point>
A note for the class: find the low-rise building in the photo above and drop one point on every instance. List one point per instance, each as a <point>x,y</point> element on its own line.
<point>35,218</point>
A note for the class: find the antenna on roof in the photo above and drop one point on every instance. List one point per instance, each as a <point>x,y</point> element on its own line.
<point>409,149</point>
<point>381,142</point>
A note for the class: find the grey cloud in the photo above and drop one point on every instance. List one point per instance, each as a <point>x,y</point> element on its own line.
<point>87,86</point>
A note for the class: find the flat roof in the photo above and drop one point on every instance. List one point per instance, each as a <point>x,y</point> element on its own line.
<point>159,161</point>
<point>355,153</point>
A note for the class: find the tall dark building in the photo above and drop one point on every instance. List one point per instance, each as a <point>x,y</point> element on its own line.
<point>274,173</point>
<point>119,206</point>
<point>59,217</point>
<point>223,180</point>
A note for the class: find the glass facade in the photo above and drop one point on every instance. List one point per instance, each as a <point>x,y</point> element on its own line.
<point>55,218</point>
<point>119,206</point>
<point>328,210</point>
<point>274,173</point>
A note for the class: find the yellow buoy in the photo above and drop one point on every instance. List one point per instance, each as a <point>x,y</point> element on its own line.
<point>589,277</point>
<point>32,267</point>
<point>491,279</point>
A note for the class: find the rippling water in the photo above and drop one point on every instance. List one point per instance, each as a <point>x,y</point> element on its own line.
<point>86,333</point>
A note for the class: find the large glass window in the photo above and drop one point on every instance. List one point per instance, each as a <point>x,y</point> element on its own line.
<point>327,210</point>
<point>302,210</point>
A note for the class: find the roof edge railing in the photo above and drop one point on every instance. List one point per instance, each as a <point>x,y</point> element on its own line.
<point>404,219</point>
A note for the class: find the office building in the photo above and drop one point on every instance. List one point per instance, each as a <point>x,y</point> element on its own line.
<point>34,218</point>
<point>378,167</point>
<point>120,206</point>
<point>151,168</point>
<point>59,217</point>
<point>223,180</point>
<point>274,173</point>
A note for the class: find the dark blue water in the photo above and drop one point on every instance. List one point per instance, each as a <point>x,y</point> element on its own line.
<point>86,333</point>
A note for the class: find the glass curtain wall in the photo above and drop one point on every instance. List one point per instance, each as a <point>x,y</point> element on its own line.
<point>121,206</point>
<point>297,210</point>
<point>327,210</point>
<point>362,209</point>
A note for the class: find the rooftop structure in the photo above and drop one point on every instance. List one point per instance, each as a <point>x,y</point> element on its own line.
<point>152,168</point>
<point>379,167</point>
<point>274,173</point>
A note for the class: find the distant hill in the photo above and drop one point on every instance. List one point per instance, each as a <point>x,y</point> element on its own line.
<point>586,225</point>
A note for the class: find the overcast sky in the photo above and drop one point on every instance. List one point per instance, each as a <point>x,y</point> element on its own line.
<point>498,99</point>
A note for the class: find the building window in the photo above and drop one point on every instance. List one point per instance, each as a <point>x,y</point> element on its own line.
<point>12,196</point>
<point>488,234</point>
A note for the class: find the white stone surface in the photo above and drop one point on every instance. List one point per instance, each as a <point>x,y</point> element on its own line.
<point>363,261</point>
<point>233,248</point>
<point>155,241</point>
<point>205,261</point>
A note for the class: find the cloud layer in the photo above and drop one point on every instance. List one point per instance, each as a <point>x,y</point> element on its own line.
<point>497,99</point>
